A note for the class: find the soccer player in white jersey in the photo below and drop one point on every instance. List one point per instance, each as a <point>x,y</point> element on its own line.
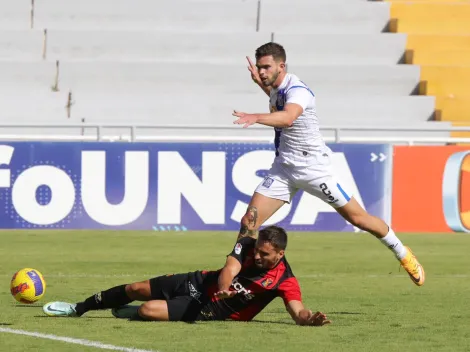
<point>303,161</point>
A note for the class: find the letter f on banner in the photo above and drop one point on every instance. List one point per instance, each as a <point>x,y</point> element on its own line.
<point>6,153</point>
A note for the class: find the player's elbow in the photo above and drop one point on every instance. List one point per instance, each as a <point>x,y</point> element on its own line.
<point>289,120</point>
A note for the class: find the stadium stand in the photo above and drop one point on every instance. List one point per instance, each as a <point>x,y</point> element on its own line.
<point>439,40</point>
<point>183,62</point>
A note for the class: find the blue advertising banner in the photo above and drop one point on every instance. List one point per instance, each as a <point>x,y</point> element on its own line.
<point>170,186</point>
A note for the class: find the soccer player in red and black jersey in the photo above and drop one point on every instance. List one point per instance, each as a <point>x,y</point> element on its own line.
<point>255,273</point>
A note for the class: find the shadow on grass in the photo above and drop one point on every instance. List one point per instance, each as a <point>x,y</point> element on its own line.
<point>81,318</point>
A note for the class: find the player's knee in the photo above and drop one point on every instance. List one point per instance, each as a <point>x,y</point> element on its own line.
<point>247,223</point>
<point>138,291</point>
<point>153,310</point>
<point>145,311</point>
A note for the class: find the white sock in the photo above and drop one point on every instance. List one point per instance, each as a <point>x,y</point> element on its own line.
<point>394,244</point>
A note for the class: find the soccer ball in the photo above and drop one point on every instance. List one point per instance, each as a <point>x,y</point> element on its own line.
<point>27,286</point>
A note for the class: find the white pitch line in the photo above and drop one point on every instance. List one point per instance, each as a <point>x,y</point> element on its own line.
<point>72,340</point>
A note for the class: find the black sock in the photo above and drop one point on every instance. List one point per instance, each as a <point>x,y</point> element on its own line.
<point>112,298</point>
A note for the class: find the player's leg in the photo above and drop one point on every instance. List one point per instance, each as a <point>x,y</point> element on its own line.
<point>111,298</point>
<point>271,194</point>
<point>181,308</point>
<point>358,216</point>
<point>327,188</point>
<point>157,288</point>
<point>154,310</point>
<point>260,209</point>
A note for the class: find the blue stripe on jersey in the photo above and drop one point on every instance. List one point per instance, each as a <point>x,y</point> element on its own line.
<point>277,139</point>
<point>348,198</point>
<point>307,88</point>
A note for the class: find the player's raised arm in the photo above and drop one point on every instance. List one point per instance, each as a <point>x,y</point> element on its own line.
<point>255,76</point>
<point>303,316</point>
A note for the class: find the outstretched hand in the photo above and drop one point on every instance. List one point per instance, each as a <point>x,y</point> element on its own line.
<point>244,118</point>
<point>306,317</point>
<point>254,71</point>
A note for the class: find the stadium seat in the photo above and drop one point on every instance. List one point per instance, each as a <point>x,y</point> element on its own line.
<point>439,39</point>
<point>430,17</point>
<point>428,49</point>
<point>129,15</point>
<point>351,80</point>
<point>324,17</point>
<point>15,15</point>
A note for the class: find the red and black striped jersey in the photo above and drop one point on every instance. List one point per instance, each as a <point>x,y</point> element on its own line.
<point>256,287</point>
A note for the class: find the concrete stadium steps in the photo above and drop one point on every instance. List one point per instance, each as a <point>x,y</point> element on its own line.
<point>198,108</point>
<point>137,104</point>
<point>445,80</point>
<point>25,103</point>
<point>182,61</point>
<point>320,17</point>
<point>453,108</point>
<point>235,15</point>
<point>439,39</point>
<point>430,17</point>
<point>15,14</point>
<point>438,56</point>
<point>438,49</point>
<point>217,48</point>
<point>223,48</point>
<point>325,80</point>
<point>367,80</point>
<point>217,16</point>
<point>34,74</point>
<point>385,48</point>
<point>21,45</point>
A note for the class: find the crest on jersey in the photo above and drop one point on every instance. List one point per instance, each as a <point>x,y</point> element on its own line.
<point>238,248</point>
<point>268,181</point>
<point>266,283</point>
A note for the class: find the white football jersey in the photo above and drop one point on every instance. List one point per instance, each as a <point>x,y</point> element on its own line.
<point>294,145</point>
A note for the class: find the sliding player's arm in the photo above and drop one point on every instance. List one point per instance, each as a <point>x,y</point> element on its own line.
<point>289,291</point>
<point>232,267</point>
<point>303,316</point>
<point>227,274</point>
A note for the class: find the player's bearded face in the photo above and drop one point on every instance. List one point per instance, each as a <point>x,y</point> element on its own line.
<point>268,70</point>
<point>266,256</point>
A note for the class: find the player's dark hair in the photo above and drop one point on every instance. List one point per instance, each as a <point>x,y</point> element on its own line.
<point>275,50</point>
<point>275,235</point>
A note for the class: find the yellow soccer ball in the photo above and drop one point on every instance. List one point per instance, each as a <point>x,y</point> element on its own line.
<point>27,286</point>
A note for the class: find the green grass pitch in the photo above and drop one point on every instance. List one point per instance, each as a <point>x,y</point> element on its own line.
<point>351,277</point>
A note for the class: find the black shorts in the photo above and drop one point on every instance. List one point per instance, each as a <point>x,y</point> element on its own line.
<point>183,294</point>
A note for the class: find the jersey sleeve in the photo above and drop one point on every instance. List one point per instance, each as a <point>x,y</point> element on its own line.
<point>299,95</point>
<point>289,290</point>
<point>241,248</point>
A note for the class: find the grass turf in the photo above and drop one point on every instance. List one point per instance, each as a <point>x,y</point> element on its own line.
<point>351,277</point>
